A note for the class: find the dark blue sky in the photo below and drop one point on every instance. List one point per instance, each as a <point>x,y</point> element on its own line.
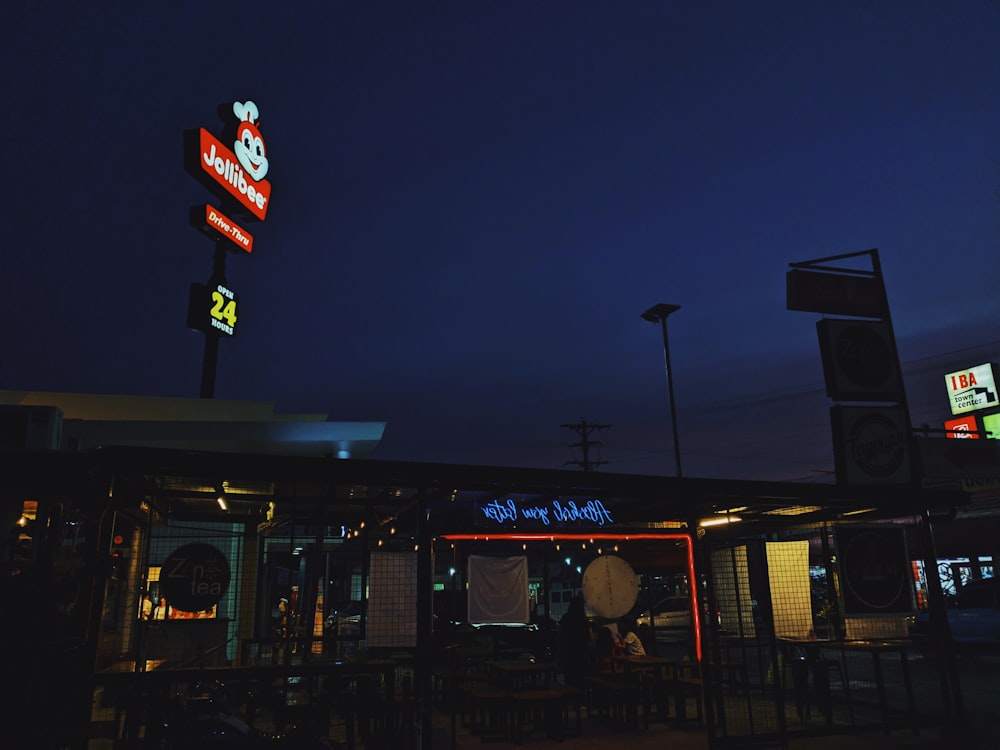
<point>473,203</point>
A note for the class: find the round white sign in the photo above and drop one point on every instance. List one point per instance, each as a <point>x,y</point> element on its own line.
<point>610,586</point>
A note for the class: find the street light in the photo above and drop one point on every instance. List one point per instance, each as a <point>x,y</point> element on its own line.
<point>658,314</point>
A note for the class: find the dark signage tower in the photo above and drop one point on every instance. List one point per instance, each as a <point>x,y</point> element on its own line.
<point>872,435</point>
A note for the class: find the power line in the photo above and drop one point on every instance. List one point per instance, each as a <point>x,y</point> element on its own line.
<point>584,430</point>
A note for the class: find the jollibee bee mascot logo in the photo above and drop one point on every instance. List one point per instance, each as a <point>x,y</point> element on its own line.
<point>249,145</point>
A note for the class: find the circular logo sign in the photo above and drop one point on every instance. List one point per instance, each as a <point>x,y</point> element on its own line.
<point>878,445</point>
<point>863,356</point>
<point>610,586</point>
<point>874,571</point>
<point>194,577</point>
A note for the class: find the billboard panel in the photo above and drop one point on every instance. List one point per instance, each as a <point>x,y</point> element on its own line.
<point>859,360</point>
<point>991,426</point>
<point>874,570</point>
<point>962,428</point>
<point>971,389</point>
<point>871,445</point>
<point>835,294</point>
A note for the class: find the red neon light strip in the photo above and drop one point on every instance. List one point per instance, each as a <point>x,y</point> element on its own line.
<point>562,536</point>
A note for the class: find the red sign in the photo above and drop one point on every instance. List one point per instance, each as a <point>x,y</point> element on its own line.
<point>215,224</point>
<point>962,428</point>
<point>221,165</point>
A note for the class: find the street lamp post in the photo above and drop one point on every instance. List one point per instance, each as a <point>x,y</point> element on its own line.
<point>658,314</point>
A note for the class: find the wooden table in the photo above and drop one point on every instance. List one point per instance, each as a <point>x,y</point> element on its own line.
<point>656,675</point>
<point>877,648</point>
<point>532,692</point>
<point>516,674</point>
<point>660,665</point>
<point>812,654</point>
<point>165,681</point>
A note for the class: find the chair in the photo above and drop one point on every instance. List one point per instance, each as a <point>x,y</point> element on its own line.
<point>687,688</point>
<point>839,665</point>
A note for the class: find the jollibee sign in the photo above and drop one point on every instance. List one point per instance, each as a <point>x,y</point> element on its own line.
<point>233,167</point>
<point>238,171</point>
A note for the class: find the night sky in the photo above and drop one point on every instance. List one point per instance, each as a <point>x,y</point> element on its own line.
<point>473,202</point>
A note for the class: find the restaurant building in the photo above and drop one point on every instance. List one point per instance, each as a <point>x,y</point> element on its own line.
<point>294,590</point>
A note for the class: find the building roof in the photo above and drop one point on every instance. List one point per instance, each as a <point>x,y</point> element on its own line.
<point>83,421</point>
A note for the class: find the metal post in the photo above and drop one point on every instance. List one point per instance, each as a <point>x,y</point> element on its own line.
<point>658,314</point>
<point>210,358</point>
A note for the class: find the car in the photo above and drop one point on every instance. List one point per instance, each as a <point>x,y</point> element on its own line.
<point>672,614</point>
<point>345,619</point>
<point>973,617</point>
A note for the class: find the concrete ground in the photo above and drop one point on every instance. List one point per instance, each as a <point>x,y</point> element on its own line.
<point>979,674</point>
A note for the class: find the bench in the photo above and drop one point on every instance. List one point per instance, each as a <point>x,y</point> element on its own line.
<point>545,704</point>
<point>618,697</point>
<point>572,697</point>
<point>488,707</point>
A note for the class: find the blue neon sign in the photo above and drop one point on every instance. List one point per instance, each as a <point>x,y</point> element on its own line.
<point>509,512</point>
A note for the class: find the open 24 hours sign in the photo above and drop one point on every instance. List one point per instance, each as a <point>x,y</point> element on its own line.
<point>213,309</point>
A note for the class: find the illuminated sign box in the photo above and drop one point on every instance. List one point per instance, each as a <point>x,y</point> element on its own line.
<point>236,170</point>
<point>216,225</point>
<point>212,309</point>
<point>991,426</point>
<point>963,427</point>
<point>971,389</point>
<point>217,167</point>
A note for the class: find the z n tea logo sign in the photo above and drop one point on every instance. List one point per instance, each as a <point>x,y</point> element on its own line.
<point>239,171</point>
<point>971,389</point>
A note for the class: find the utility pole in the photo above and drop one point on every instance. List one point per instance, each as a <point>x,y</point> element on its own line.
<point>583,430</point>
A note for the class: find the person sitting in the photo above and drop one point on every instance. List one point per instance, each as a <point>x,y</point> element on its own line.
<point>630,642</point>
<point>160,611</point>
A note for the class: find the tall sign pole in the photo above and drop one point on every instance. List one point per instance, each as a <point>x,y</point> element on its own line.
<point>210,359</point>
<point>234,170</point>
